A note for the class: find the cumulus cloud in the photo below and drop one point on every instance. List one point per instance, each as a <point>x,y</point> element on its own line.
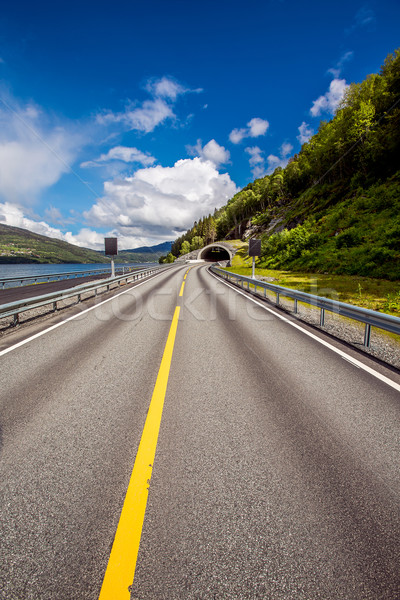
<point>150,113</point>
<point>35,151</point>
<point>256,161</point>
<point>255,128</point>
<point>15,216</point>
<point>167,87</point>
<point>305,133</point>
<point>281,160</point>
<point>161,202</point>
<point>144,118</point>
<point>212,151</point>
<point>237,135</point>
<point>124,154</point>
<point>329,102</point>
<point>11,214</point>
<point>87,238</point>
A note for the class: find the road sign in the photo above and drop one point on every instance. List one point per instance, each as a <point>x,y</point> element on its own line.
<point>111,249</point>
<point>254,247</point>
<point>111,246</point>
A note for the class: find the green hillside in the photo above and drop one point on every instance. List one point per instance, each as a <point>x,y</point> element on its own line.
<point>335,208</point>
<point>22,246</point>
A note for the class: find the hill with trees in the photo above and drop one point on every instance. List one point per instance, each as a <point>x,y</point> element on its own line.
<point>335,207</point>
<point>19,245</point>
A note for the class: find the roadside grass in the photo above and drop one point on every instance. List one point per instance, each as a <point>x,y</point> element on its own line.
<point>376,294</point>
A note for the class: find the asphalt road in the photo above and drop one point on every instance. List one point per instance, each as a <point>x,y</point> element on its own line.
<point>276,474</point>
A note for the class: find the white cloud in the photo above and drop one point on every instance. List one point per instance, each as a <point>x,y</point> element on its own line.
<point>286,149</point>
<point>212,151</point>
<point>150,113</point>
<point>236,135</point>
<point>256,161</point>
<point>12,215</point>
<point>161,202</point>
<point>281,160</point>
<point>329,102</point>
<point>87,238</point>
<point>255,155</point>
<point>336,71</point>
<point>145,118</point>
<point>305,133</point>
<point>255,128</point>
<point>124,154</point>
<point>34,152</point>
<point>168,88</point>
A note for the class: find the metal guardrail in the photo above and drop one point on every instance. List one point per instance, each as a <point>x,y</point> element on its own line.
<point>14,309</point>
<point>56,276</point>
<point>370,318</point>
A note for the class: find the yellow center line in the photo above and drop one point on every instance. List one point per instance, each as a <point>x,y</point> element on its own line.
<point>122,562</point>
<point>182,287</point>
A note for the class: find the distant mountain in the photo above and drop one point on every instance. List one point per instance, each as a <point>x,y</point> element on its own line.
<point>19,245</point>
<point>160,249</point>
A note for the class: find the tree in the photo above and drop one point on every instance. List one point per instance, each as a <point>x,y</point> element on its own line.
<point>185,248</point>
<point>197,243</point>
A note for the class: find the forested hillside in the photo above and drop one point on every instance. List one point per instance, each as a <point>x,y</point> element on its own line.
<point>336,206</point>
<point>19,245</point>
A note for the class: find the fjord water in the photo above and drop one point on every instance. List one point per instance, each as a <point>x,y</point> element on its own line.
<point>31,270</point>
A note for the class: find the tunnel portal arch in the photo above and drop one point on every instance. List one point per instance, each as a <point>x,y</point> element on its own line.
<point>215,252</point>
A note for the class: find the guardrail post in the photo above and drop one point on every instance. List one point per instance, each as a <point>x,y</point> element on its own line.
<point>322,317</point>
<point>265,292</point>
<point>295,306</point>
<point>367,335</point>
<point>277,298</point>
<point>54,306</point>
<point>79,298</point>
<point>16,319</point>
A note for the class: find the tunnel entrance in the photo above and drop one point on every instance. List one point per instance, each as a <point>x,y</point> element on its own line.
<point>214,253</point>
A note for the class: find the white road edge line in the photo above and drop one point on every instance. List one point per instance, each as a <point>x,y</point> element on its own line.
<point>36,335</point>
<point>350,359</point>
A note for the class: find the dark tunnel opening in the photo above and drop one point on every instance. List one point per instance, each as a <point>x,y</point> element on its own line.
<point>215,254</point>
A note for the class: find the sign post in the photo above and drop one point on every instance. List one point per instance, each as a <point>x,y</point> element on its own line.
<point>254,250</point>
<point>111,249</point>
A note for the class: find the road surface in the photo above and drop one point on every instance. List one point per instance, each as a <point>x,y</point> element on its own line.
<point>276,473</point>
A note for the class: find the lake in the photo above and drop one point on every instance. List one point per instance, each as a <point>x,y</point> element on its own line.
<point>31,270</point>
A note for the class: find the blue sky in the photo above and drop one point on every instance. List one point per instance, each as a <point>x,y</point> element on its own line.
<point>134,119</point>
